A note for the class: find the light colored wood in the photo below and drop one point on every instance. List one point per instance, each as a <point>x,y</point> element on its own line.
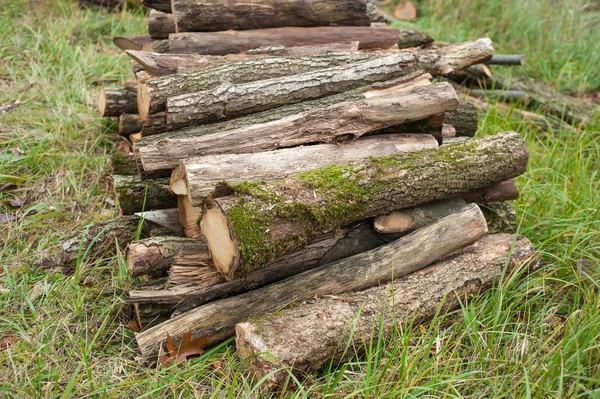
<point>167,218</point>
<point>302,339</point>
<point>114,101</point>
<point>216,320</point>
<point>405,11</point>
<point>178,182</point>
<point>189,217</point>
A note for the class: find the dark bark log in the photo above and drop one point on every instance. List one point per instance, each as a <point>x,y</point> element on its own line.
<point>406,255</point>
<point>167,218</point>
<point>129,124</point>
<point>502,191</point>
<point>189,217</point>
<point>464,119</point>
<point>136,195</point>
<point>160,5</point>
<point>302,339</point>
<point>157,46</point>
<point>132,42</point>
<point>114,101</point>
<point>123,163</point>
<point>264,220</point>
<point>154,124</point>
<point>227,42</point>
<point>507,59</point>
<point>160,24</point>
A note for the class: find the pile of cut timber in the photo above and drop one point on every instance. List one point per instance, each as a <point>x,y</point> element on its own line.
<point>297,151</point>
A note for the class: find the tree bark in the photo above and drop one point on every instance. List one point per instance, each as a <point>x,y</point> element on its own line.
<point>136,195</point>
<point>302,339</point>
<point>189,217</point>
<point>222,15</point>
<point>167,218</point>
<point>156,255</point>
<point>500,217</point>
<point>464,119</point>
<point>264,220</point>
<point>227,42</point>
<point>157,46</point>
<point>114,101</point>
<point>507,59</point>
<point>123,163</point>
<point>332,124</point>
<point>231,100</point>
<point>154,124</point>
<point>160,5</point>
<point>502,191</point>
<point>406,255</point>
<point>199,176</point>
<point>160,24</point>
<point>129,124</point>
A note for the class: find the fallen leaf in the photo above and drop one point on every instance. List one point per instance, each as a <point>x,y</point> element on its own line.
<point>16,202</point>
<point>405,11</point>
<point>8,341</point>
<point>186,348</point>
<point>133,324</point>
<point>5,217</point>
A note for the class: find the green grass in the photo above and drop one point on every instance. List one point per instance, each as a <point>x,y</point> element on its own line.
<point>535,337</point>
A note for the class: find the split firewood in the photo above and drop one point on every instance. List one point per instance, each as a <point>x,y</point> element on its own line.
<point>160,24</point>
<point>432,126</point>
<point>406,255</point>
<point>132,42</point>
<point>335,123</point>
<point>114,101</point>
<point>129,124</point>
<point>264,220</point>
<point>165,64</point>
<point>198,177</point>
<point>156,255</point>
<point>228,101</point>
<point>167,218</point>
<point>227,42</point>
<point>160,5</point>
<point>136,195</point>
<point>302,339</point>
<point>502,191</point>
<point>189,217</point>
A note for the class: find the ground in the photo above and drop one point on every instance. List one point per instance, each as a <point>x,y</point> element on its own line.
<point>62,335</point>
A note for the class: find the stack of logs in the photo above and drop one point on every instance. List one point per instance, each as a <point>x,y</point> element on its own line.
<point>291,159</point>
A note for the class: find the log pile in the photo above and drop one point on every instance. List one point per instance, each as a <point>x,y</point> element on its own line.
<point>301,150</point>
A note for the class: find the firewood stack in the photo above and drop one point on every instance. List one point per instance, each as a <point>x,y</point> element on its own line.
<point>297,151</point>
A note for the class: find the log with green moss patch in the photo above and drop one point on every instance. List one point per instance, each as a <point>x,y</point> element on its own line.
<point>135,195</point>
<point>265,220</point>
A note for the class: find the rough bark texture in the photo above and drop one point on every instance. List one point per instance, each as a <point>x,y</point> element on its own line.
<point>221,15</point>
<point>295,210</point>
<point>123,163</point>
<point>227,42</point>
<point>154,124</point>
<point>160,24</point>
<point>231,100</point>
<point>189,217</point>
<point>156,255</point>
<point>160,5</point>
<point>501,217</point>
<point>502,191</point>
<point>302,339</point>
<point>136,195</point>
<point>157,46</point>
<point>406,255</point>
<point>464,119</point>
<point>129,124</point>
<point>167,218</point>
<point>114,101</point>
<point>202,175</point>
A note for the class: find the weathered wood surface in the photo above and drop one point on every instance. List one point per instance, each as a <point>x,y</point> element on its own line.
<point>502,191</point>
<point>301,207</point>
<point>464,119</point>
<point>167,218</point>
<point>216,320</point>
<point>113,101</point>
<point>303,338</point>
<point>189,217</point>
<point>135,195</point>
<point>232,100</point>
<point>154,124</point>
<point>156,255</point>
<point>160,24</point>
<point>129,124</point>
<point>501,217</point>
<point>160,5</point>
<point>200,176</point>
<point>123,163</point>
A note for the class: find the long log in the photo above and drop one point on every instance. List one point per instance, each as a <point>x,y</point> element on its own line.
<point>222,15</point>
<point>160,5</point>
<point>231,100</point>
<point>216,320</point>
<point>129,124</point>
<point>135,195</point>
<point>302,339</point>
<point>160,24</point>
<point>330,124</point>
<point>265,220</point>
<point>113,101</point>
<point>200,176</point>
<point>507,59</point>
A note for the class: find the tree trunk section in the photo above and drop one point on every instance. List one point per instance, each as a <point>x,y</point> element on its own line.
<point>302,339</point>
<point>507,59</point>
<point>129,124</point>
<point>406,255</point>
<point>199,176</point>
<point>464,119</point>
<point>501,217</point>
<point>502,191</point>
<point>136,195</point>
<point>114,101</point>
<point>167,218</point>
<point>154,124</point>
<point>264,220</point>
<point>160,5</point>
<point>160,24</point>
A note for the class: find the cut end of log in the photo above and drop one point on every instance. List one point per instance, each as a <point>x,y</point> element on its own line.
<point>140,257</point>
<point>178,182</point>
<point>101,101</point>
<point>125,43</point>
<point>139,57</point>
<point>218,235</point>
<point>394,223</point>
<point>188,217</point>
<point>143,98</point>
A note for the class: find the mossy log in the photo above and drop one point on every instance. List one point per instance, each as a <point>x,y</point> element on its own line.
<point>501,217</point>
<point>158,64</point>
<point>222,15</point>
<point>160,24</point>
<point>136,195</point>
<point>189,217</point>
<point>464,119</point>
<point>199,176</point>
<point>228,42</point>
<point>114,101</point>
<point>502,191</point>
<point>303,338</point>
<point>232,100</point>
<point>160,5</point>
<point>123,163</point>
<point>129,124</point>
<point>216,320</point>
<point>264,220</point>
<point>167,218</point>
<point>156,255</point>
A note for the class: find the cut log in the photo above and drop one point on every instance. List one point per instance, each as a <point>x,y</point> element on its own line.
<point>136,195</point>
<point>227,42</point>
<point>448,131</point>
<point>407,220</point>
<point>160,24</point>
<point>405,11</point>
<point>189,216</point>
<point>159,64</point>
<point>157,46</point>
<point>507,59</point>
<point>198,177</point>
<point>160,5</point>
<point>302,339</point>
<point>154,124</point>
<point>464,119</point>
<point>231,100</point>
<point>502,191</point>
<point>129,124</point>
<point>114,101</point>
<point>216,320</point>
<point>222,15</point>
<point>167,218</point>
<point>265,220</point>
<point>132,42</point>
<point>156,255</point>
<point>123,163</point>
<point>501,217</point>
